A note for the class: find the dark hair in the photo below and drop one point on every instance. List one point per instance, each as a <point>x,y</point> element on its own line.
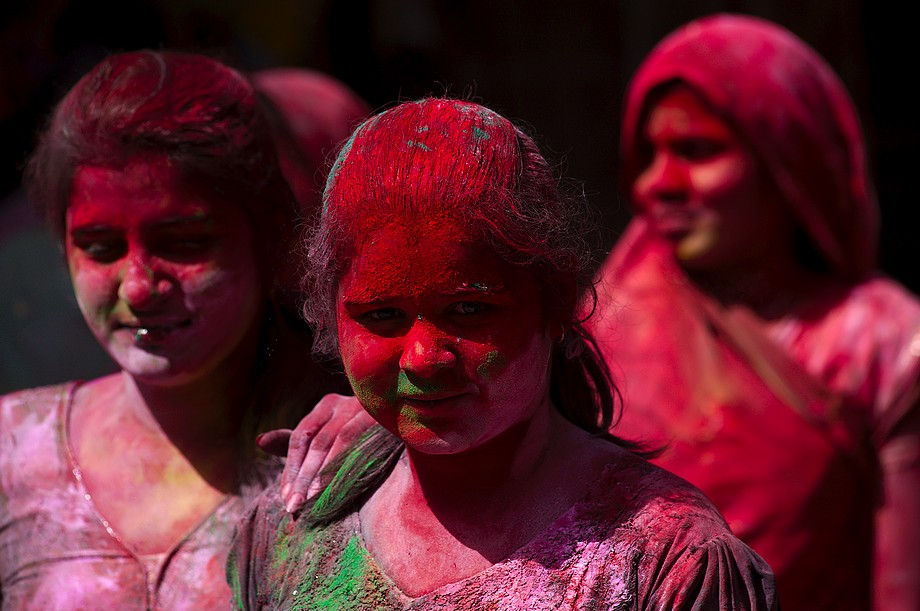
<point>449,156</point>
<point>206,118</point>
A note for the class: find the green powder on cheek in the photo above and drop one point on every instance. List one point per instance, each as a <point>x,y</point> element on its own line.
<point>409,423</point>
<point>406,387</point>
<point>493,363</point>
<point>369,396</point>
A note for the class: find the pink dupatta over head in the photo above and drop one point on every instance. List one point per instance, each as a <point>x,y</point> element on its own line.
<point>778,430</point>
<point>790,108</point>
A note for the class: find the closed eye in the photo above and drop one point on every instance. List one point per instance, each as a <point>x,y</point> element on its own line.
<point>103,248</point>
<point>470,308</point>
<point>381,315</point>
<point>698,149</point>
<point>184,247</point>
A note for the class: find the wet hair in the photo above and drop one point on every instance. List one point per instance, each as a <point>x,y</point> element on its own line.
<point>206,118</point>
<point>460,163</point>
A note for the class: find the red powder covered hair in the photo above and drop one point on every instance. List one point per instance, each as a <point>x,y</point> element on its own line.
<point>313,114</point>
<point>200,113</point>
<point>459,163</point>
<point>790,108</point>
<point>443,158</point>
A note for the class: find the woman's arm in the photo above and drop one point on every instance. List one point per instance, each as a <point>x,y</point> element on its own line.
<point>330,427</point>
<point>897,550</point>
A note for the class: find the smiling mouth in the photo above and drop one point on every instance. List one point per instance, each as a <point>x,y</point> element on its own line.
<point>432,399</point>
<point>144,334</point>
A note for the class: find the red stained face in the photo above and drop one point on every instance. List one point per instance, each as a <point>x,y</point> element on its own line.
<point>703,190</point>
<point>444,343</point>
<point>166,279</point>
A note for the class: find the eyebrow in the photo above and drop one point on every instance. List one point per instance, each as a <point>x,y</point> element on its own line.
<point>480,288</point>
<point>472,288</point>
<point>89,230</point>
<point>179,221</point>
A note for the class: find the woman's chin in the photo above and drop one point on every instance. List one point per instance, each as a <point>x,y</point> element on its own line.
<point>698,251</point>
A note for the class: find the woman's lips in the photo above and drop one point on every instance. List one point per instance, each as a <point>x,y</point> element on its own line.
<point>150,333</point>
<point>432,398</point>
<point>437,401</point>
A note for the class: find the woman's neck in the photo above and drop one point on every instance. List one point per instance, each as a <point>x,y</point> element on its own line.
<point>464,512</point>
<point>206,411</point>
<point>495,475</point>
<point>771,290</point>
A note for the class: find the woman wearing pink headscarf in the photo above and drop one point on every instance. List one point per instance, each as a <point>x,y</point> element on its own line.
<point>743,312</point>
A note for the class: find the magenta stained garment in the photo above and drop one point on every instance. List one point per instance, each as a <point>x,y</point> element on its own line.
<point>639,539</point>
<point>55,552</point>
<point>784,424</point>
<point>781,424</point>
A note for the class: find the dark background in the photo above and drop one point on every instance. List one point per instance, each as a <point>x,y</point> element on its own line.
<point>559,67</point>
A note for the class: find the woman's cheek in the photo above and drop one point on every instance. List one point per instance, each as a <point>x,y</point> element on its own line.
<point>369,368</point>
<point>95,290</point>
<point>210,282</point>
<point>517,362</point>
<point>490,363</point>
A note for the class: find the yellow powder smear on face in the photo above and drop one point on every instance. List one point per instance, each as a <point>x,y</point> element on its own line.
<point>699,241</point>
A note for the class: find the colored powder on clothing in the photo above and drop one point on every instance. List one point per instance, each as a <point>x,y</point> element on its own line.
<point>342,586</point>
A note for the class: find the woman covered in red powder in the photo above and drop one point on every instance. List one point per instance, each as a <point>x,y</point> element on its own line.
<point>743,312</point>
<point>159,173</point>
<point>445,272</point>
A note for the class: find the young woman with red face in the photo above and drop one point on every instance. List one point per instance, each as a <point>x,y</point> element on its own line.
<point>159,173</point>
<point>752,335</point>
<point>445,272</point>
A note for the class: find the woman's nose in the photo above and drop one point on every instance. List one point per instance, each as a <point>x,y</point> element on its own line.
<point>662,180</point>
<point>427,350</point>
<point>141,287</point>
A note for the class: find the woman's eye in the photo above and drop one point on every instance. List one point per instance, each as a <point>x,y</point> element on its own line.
<point>381,315</point>
<point>182,247</point>
<point>470,308</point>
<point>698,149</point>
<point>103,251</point>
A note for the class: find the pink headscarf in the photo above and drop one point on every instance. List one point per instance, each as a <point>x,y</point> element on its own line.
<point>790,108</point>
<point>319,113</point>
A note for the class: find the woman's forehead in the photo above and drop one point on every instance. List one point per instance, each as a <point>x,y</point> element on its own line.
<point>422,258</point>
